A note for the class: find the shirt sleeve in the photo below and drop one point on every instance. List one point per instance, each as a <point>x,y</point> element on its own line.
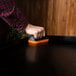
<point>14,17</point>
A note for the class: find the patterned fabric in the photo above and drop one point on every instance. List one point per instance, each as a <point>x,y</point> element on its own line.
<point>12,15</point>
<point>6,7</point>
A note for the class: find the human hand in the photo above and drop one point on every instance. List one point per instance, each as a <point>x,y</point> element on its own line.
<point>36,31</point>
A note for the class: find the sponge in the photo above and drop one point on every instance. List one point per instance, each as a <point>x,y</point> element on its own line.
<point>34,42</point>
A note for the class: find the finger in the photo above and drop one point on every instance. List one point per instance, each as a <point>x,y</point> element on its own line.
<point>42,28</point>
<point>40,35</point>
<point>43,32</point>
<point>35,35</point>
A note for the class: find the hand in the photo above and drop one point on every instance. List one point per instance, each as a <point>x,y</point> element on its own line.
<point>37,31</point>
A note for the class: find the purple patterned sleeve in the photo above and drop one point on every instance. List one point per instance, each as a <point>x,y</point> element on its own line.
<point>12,15</point>
<point>16,20</point>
